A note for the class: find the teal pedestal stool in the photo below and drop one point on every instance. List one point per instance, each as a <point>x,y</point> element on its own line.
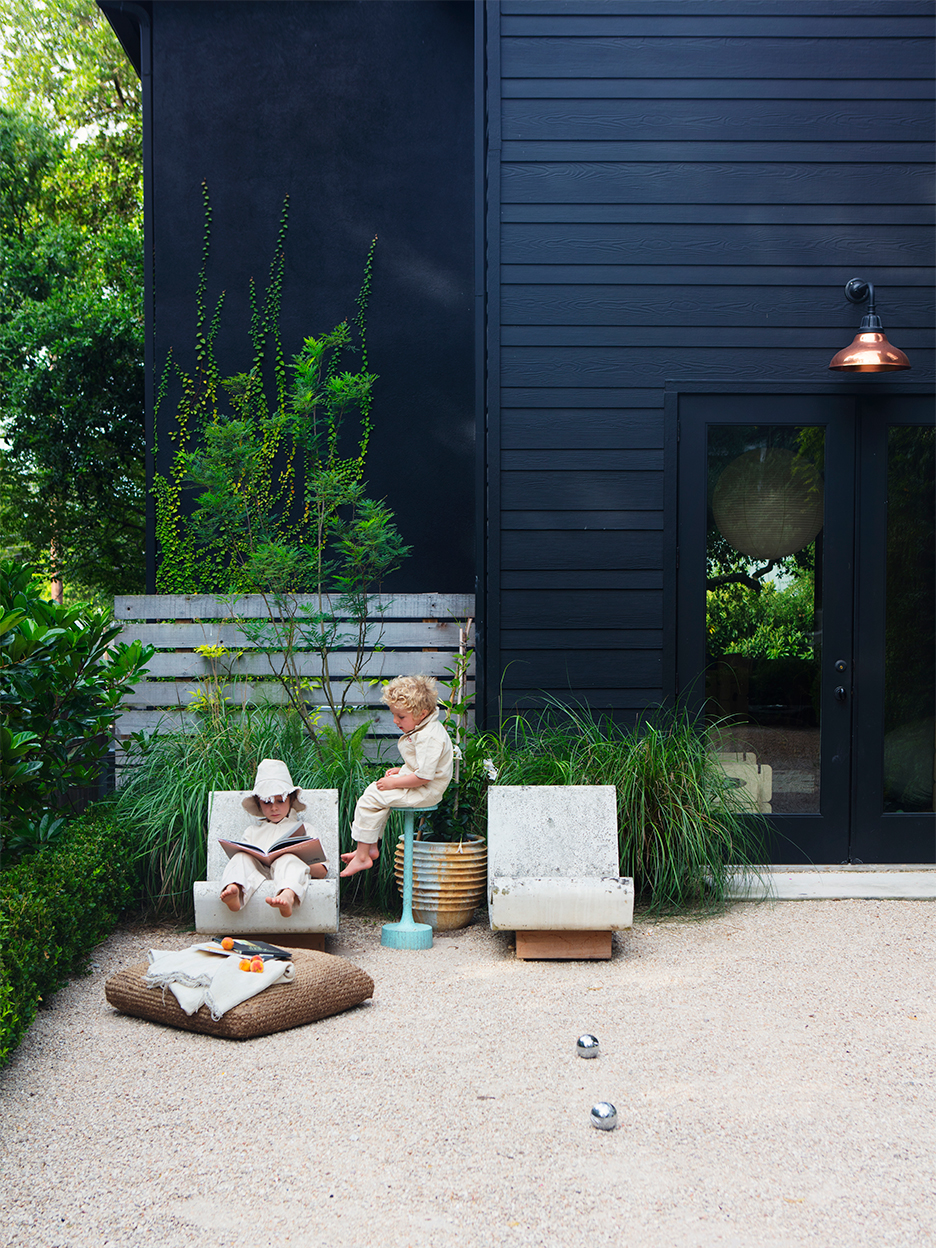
<point>408,934</point>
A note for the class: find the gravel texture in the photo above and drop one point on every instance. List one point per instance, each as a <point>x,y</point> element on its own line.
<point>772,1070</point>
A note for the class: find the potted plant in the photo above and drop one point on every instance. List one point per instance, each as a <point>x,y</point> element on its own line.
<point>449,849</point>
<point>449,875</point>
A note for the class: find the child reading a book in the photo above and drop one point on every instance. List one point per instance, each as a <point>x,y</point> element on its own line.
<point>427,767</point>
<point>275,800</point>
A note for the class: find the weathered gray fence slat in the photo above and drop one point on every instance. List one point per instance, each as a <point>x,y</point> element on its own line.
<point>179,693</point>
<point>254,606</point>
<point>385,664</point>
<point>165,720</point>
<point>405,634</point>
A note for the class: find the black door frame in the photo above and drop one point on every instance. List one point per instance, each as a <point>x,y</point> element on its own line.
<point>823,840</point>
<point>873,831</point>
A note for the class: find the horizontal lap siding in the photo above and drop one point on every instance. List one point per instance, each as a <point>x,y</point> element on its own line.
<point>679,190</point>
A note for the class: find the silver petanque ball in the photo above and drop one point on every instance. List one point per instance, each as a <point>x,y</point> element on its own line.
<point>587,1046</point>
<point>604,1116</point>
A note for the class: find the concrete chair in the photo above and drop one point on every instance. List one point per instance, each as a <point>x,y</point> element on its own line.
<point>553,869</point>
<point>318,913</point>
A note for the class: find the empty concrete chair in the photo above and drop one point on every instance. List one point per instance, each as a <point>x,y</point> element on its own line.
<point>553,869</point>
<point>318,913</point>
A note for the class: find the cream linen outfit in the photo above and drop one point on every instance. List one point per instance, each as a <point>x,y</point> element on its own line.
<point>427,752</point>
<point>287,871</point>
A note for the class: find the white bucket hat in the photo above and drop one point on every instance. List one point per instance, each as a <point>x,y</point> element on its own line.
<point>273,780</point>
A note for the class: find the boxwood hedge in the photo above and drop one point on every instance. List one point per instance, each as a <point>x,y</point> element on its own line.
<point>55,906</point>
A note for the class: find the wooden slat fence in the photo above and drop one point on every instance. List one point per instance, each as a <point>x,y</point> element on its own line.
<point>410,633</point>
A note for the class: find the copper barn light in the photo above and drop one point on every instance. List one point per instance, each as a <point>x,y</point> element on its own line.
<point>870,352</point>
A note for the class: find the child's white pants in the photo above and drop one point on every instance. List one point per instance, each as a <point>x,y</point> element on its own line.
<point>287,871</point>
<point>374,805</point>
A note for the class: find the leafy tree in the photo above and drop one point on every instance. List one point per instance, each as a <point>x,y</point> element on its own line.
<point>265,493</point>
<point>71,405</point>
<point>63,65</point>
<point>771,624</point>
<point>72,441</point>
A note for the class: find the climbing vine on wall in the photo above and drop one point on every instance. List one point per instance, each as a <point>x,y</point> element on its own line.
<point>261,489</point>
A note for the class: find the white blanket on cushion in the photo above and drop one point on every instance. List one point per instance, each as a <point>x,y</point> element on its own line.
<point>198,978</point>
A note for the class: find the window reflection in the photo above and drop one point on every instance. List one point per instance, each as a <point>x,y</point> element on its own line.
<point>764,608</point>
<point>910,636</point>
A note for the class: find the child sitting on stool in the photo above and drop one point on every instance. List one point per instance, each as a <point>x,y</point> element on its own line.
<point>427,767</point>
<point>275,799</point>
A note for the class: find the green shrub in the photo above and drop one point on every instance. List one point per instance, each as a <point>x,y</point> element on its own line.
<point>62,680</point>
<point>55,906</point>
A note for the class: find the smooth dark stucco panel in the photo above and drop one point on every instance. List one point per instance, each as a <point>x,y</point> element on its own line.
<point>362,114</point>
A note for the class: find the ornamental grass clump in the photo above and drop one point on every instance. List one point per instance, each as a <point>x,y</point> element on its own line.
<point>168,779</point>
<point>684,833</point>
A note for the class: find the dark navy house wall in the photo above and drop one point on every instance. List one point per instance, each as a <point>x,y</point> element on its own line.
<point>651,194</point>
<point>363,113</point>
<point>677,192</point>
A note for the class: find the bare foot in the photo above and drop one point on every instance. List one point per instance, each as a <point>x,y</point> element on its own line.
<point>362,848</point>
<point>362,859</point>
<point>233,896</point>
<point>284,901</point>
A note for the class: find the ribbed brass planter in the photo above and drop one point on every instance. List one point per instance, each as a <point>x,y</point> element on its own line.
<point>449,881</point>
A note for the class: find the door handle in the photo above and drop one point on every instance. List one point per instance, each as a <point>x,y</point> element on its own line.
<point>840,694</point>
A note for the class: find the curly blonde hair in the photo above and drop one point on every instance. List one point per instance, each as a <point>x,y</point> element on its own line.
<point>417,694</point>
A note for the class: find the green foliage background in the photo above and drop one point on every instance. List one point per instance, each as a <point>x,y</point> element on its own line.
<point>72,439</point>
<point>774,623</point>
<point>63,677</point>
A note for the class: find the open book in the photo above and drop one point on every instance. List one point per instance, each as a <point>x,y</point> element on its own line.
<point>244,948</point>
<point>308,848</point>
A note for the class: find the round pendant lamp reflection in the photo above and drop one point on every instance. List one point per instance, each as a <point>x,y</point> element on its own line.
<point>869,352</point>
<point>768,503</point>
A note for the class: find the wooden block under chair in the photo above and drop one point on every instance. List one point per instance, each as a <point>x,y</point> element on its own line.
<point>578,946</point>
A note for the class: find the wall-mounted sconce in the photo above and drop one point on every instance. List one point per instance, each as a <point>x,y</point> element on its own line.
<point>870,352</point>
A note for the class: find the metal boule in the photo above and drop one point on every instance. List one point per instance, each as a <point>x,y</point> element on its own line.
<point>587,1046</point>
<point>604,1116</point>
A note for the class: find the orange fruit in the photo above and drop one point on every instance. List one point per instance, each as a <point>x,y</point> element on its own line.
<point>257,966</point>
<point>244,964</point>
<point>227,943</point>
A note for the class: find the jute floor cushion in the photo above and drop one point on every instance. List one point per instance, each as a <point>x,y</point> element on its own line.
<point>324,985</point>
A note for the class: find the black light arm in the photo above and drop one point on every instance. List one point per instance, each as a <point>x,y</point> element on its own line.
<point>857,291</point>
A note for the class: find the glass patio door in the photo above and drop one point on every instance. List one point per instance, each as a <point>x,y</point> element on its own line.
<point>806,610</point>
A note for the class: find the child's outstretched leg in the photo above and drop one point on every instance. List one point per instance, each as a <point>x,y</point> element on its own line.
<point>362,859</point>
<point>284,901</point>
<point>370,816</point>
<point>233,896</point>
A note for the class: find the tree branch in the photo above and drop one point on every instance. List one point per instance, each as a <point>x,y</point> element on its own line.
<point>752,581</point>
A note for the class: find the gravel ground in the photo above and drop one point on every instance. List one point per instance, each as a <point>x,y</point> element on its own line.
<point>772,1069</point>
